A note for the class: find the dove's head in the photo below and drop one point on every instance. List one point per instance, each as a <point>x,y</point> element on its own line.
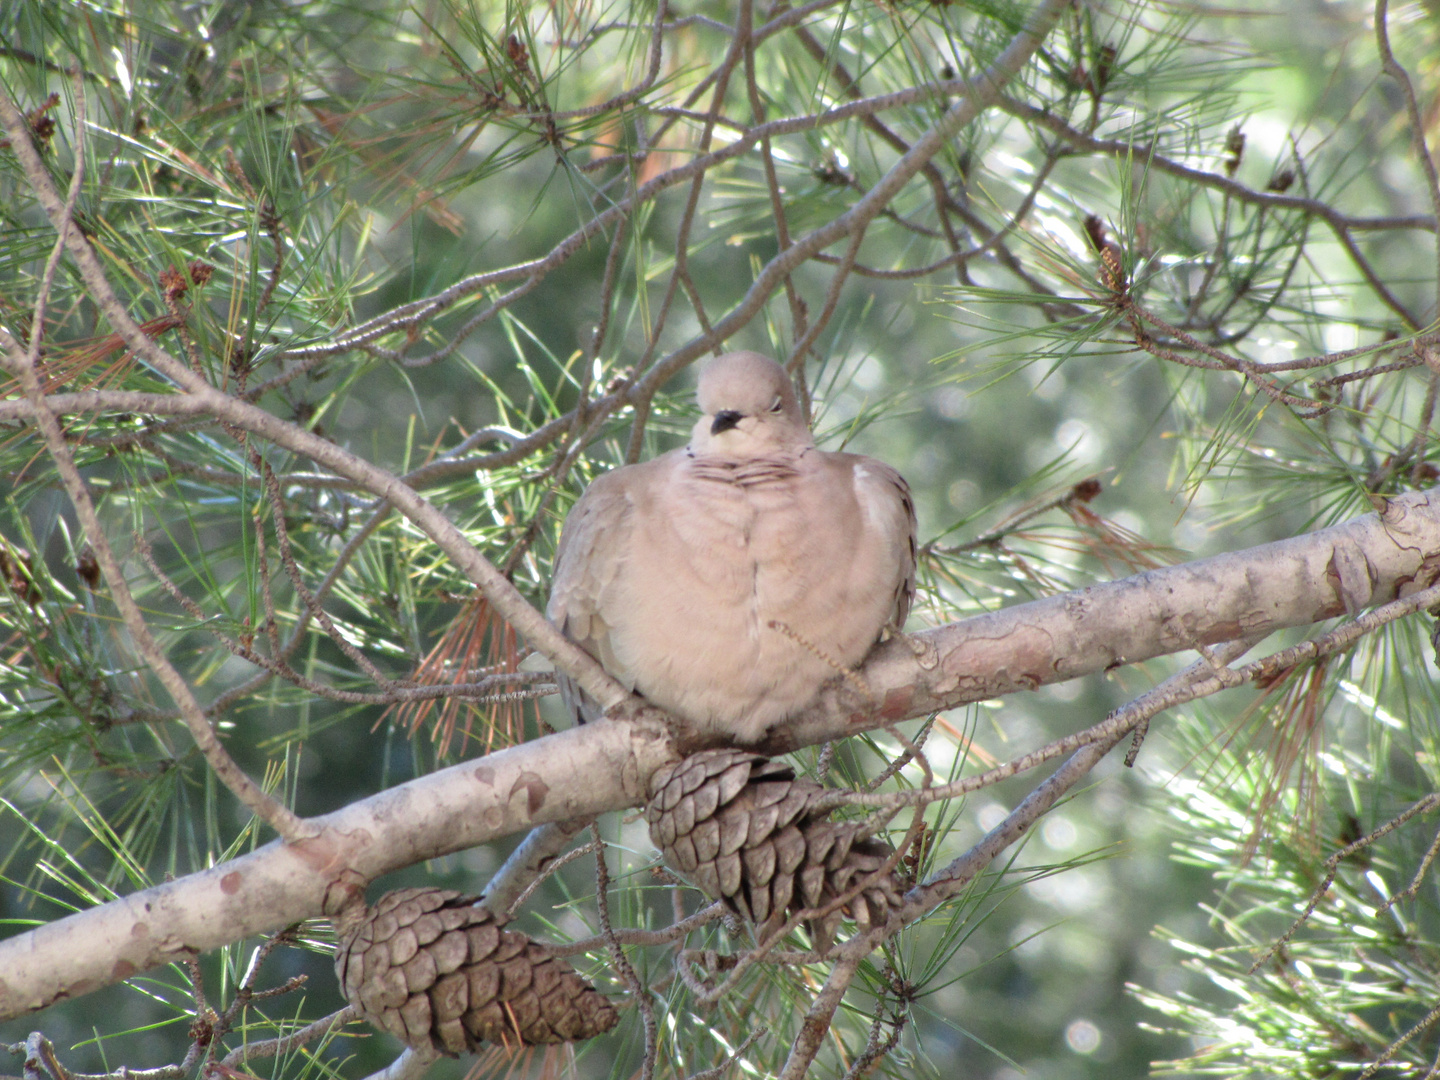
<point>748,409</point>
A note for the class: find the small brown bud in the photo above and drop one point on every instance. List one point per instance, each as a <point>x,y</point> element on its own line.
<point>1281,181</point>
<point>1104,66</point>
<point>1112,262</point>
<point>88,567</point>
<point>829,171</point>
<point>174,283</point>
<point>1234,150</point>
<point>17,572</point>
<point>518,53</point>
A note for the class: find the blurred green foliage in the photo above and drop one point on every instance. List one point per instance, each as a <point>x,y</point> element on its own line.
<point>1252,178</point>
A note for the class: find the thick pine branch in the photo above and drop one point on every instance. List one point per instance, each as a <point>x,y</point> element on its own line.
<point>602,767</point>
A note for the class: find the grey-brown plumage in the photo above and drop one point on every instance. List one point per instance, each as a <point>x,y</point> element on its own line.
<point>743,829</point>
<point>726,581</point>
<point>441,975</point>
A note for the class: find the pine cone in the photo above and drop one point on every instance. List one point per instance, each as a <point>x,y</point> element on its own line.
<point>441,975</point>
<point>741,828</point>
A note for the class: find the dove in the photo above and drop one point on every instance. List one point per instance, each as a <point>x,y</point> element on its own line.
<point>728,580</point>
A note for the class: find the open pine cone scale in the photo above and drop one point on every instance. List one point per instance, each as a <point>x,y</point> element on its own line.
<point>742,829</point>
<point>443,976</point>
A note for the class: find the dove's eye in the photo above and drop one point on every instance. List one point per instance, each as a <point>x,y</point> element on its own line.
<point>777,404</point>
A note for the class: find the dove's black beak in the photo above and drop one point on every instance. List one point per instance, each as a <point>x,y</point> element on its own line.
<point>725,419</point>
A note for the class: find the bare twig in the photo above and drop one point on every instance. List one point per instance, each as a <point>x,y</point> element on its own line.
<point>816,1024</point>
<point>1413,889</point>
<point>42,1063</point>
<point>1332,868</point>
<point>265,1048</point>
<point>552,867</point>
<point>715,1072</point>
<point>676,931</point>
<point>640,994</point>
<point>287,559</point>
<point>1389,1052</point>
<point>1393,68</point>
<point>652,71</point>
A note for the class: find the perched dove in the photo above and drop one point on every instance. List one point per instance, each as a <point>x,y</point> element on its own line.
<point>727,580</point>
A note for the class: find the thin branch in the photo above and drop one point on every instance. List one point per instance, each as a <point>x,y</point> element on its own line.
<point>1389,1051</point>
<point>292,571</point>
<point>266,1048</point>
<point>638,992</point>
<point>1392,67</point>
<point>1218,357</point>
<point>40,1055</point>
<point>1411,891</point>
<point>676,931</point>
<point>772,180</point>
<point>552,867</point>
<point>816,1024</point>
<point>680,277</point>
<point>1332,869</point>
<point>640,89</point>
<point>957,875</point>
<point>717,1071</point>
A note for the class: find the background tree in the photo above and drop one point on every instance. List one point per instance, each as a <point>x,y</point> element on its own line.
<point>317,317</point>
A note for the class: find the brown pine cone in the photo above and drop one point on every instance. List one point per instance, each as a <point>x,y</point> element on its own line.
<point>741,828</point>
<point>441,975</point>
